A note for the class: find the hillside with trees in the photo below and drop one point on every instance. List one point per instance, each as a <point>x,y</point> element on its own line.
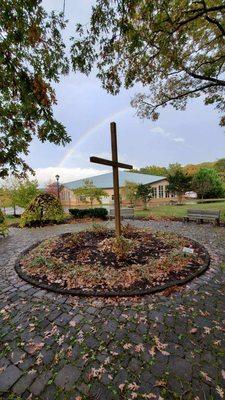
<point>191,169</point>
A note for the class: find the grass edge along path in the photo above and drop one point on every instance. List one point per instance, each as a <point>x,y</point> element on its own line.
<point>179,211</point>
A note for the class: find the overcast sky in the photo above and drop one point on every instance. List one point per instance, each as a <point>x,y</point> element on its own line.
<point>190,136</point>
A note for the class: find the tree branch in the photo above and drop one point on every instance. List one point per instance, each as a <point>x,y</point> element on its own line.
<point>180,96</point>
<point>201,13</point>
<point>205,78</point>
<point>215,22</point>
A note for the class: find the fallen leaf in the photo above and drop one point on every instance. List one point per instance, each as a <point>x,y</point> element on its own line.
<point>220,392</point>
<point>206,376</point>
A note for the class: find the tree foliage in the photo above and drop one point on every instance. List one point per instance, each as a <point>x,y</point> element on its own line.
<point>24,192</point>
<point>144,193</point>
<point>179,182</point>
<point>152,170</point>
<point>18,192</point>
<point>220,165</point>
<point>3,224</point>
<point>5,197</point>
<point>8,190</point>
<point>207,184</point>
<point>90,192</point>
<point>43,209</point>
<point>173,168</point>
<point>130,190</point>
<point>32,58</point>
<point>52,188</point>
<point>175,48</point>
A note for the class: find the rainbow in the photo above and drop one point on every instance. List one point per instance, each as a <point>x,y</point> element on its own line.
<point>90,132</point>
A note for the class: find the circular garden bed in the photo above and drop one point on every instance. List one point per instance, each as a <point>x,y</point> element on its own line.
<point>95,263</point>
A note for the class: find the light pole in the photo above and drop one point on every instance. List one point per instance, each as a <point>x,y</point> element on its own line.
<point>57,181</point>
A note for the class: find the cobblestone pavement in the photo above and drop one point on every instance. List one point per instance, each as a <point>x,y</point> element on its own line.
<point>161,347</point>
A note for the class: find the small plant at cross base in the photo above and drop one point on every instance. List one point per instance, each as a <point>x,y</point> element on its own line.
<point>43,209</point>
<point>118,245</point>
<point>98,228</point>
<point>3,224</point>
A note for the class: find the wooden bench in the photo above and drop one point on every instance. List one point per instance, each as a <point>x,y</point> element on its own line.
<point>203,215</point>
<point>124,213</point>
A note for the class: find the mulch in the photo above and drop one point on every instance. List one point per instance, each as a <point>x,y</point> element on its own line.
<point>152,262</point>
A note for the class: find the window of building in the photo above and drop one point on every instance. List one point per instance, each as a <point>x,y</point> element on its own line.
<point>161,191</point>
<point>154,192</point>
<point>167,192</point>
<point>112,197</point>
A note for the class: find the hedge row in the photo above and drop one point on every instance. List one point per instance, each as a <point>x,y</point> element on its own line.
<point>89,212</point>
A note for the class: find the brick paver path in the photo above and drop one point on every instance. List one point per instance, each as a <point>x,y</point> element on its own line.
<point>54,347</point>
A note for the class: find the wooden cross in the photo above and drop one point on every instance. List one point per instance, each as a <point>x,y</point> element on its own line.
<point>115,164</point>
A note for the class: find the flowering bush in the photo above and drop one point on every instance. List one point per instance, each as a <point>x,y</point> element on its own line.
<point>43,209</point>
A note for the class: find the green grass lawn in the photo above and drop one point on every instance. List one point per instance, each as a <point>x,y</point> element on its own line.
<point>181,210</point>
<point>12,220</point>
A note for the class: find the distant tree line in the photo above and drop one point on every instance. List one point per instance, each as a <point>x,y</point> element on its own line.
<point>191,169</point>
<point>206,179</point>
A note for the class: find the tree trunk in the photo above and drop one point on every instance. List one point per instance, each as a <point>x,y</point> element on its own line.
<point>179,196</point>
<point>145,204</point>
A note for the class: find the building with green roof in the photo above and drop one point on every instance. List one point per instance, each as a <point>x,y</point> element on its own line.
<point>105,181</point>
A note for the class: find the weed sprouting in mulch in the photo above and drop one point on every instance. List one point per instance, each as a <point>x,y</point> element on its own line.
<point>96,260</point>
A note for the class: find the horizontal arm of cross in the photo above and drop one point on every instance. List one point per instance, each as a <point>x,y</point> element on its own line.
<point>99,160</point>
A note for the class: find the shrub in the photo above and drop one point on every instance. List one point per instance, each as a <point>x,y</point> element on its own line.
<point>3,224</point>
<point>89,212</point>
<point>43,209</point>
<point>207,184</point>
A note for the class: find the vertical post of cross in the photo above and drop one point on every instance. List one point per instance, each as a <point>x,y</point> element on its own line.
<point>115,164</point>
<point>115,179</point>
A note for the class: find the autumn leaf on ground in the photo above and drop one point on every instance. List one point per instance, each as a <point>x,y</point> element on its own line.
<point>193,330</point>
<point>139,348</point>
<point>32,372</point>
<point>121,386</point>
<point>72,323</point>
<point>207,330</point>
<point>133,386</point>
<point>33,347</point>
<point>160,383</point>
<point>220,392</point>
<point>127,346</point>
<point>206,376</point>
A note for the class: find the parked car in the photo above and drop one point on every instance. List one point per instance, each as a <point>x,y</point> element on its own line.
<point>190,195</point>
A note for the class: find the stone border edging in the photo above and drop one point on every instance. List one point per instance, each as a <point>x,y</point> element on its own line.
<point>119,293</point>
